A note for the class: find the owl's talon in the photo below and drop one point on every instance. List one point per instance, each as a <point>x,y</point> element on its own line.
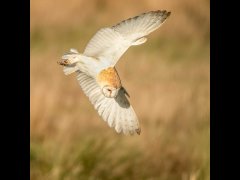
<point>63,63</point>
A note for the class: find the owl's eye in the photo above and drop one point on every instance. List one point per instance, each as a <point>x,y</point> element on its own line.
<point>110,92</point>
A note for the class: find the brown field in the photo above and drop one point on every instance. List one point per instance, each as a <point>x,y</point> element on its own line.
<point>168,79</point>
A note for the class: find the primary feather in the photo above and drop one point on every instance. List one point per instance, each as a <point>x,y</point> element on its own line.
<point>109,44</point>
<point>117,112</point>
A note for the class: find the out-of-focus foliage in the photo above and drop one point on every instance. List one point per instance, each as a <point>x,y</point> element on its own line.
<point>167,79</point>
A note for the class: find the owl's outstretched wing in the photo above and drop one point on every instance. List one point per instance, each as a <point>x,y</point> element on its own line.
<point>109,44</point>
<point>117,112</point>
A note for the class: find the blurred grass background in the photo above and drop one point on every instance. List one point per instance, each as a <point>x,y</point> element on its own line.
<point>168,79</point>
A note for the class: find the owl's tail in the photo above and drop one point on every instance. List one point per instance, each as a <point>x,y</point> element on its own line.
<point>74,61</point>
<point>69,70</point>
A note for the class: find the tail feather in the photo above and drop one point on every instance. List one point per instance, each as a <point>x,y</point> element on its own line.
<point>74,51</point>
<point>69,69</point>
<point>74,61</point>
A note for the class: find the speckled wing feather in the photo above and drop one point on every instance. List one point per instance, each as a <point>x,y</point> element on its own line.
<point>117,112</point>
<point>109,44</point>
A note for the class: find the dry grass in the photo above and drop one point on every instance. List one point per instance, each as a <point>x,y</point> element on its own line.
<point>167,78</point>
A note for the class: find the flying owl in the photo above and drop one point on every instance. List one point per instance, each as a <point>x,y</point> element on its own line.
<point>96,72</point>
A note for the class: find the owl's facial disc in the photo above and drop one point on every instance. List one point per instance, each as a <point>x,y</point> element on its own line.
<point>109,91</point>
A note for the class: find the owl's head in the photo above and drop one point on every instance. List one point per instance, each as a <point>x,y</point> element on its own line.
<point>110,91</point>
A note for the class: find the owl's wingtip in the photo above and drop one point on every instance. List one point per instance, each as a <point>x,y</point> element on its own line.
<point>138,131</point>
<point>168,13</point>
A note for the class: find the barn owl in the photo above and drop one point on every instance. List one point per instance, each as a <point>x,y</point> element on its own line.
<point>96,72</point>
